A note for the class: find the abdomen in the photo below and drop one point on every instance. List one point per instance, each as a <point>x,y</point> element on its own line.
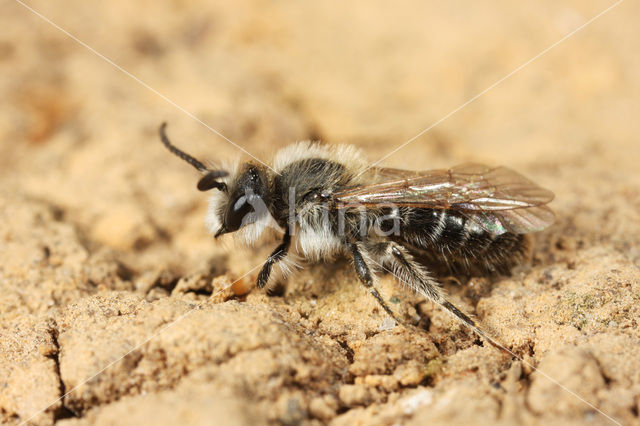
<point>457,242</point>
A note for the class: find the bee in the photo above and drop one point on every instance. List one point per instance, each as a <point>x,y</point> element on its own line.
<point>326,202</point>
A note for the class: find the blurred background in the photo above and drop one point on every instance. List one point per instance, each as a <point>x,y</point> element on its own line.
<point>82,172</point>
<point>80,133</point>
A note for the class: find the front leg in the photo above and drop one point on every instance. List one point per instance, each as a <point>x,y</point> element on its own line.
<point>278,254</point>
<point>366,278</point>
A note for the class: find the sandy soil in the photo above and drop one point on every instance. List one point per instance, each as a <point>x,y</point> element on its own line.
<point>103,244</point>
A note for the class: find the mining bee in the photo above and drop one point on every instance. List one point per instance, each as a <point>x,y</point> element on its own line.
<point>327,202</point>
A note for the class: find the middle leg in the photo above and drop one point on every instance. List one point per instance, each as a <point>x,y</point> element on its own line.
<point>366,277</point>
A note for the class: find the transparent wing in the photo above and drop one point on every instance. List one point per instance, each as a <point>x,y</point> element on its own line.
<point>498,199</point>
<point>518,221</point>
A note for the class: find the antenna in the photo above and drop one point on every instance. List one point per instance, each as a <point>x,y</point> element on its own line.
<point>178,152</point>
<point>209,180</point>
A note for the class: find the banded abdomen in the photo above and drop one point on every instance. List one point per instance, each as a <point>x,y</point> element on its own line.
<point>459,242</point>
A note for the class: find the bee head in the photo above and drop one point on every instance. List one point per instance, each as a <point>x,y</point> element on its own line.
<point>246,200</point>
<point>241,198</point>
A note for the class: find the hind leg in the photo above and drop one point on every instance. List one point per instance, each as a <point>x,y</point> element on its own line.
<point>413,274</point>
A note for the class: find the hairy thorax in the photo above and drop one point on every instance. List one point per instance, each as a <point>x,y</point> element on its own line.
<point>303,184</point>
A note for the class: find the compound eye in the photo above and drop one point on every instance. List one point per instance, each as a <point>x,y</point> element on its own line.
<point>237,213</point>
